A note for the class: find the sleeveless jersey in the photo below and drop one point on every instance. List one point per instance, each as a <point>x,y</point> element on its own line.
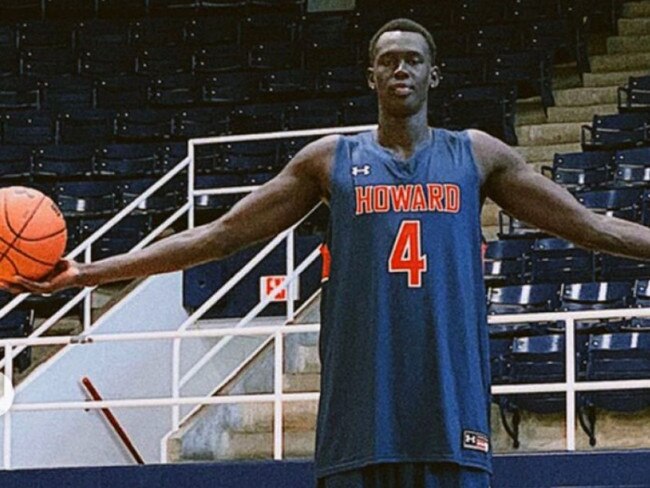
<point>404,342</point>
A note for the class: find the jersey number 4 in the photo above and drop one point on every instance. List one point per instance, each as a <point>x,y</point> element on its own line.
<point>406,256</point>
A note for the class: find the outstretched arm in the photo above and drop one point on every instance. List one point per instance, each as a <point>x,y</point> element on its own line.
<point>259,216</point>
<point>533,198</point>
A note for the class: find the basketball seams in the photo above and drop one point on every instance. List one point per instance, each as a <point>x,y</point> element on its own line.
<point>24,253</point>
<point>41,238</point>
<point>17,234</point>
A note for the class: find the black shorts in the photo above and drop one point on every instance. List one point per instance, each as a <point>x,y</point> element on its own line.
<point>408,475</point>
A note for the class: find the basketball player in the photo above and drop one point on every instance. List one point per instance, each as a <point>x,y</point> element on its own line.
<point>405,388</point>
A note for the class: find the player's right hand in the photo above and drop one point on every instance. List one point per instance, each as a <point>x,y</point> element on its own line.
<point>66,274</point>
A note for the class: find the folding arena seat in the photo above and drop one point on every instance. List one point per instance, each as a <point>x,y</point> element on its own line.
<point>554,260</point>
<point>582,170</point>
<point>288,148</point>
<point>162,60</point>
<point>249,157</point>
<point>104,61</point>
<point>18,323</point>
<point>123,236</point>
<point>87,198</point>
<point>172,8</point>
<point>288,83</point>
<point>19,93</point>
<point>312,114</point>
<point>30,128</point>
<point>172,153</point>
<point>63,161</point>
<point>612,132</point>
<point>531,10</point>
<point>619,268</point>
<point>165,31</point>
<point>493,39</point>
<point>533,359</point>
<point>101,33</point>
<point>632,168</point>
<point>319,55</point>
<point>596,296</point>
<point>293,6</point>
<point>121,92</point>
<point>620,356</point>
<point>142,125</point>
<point>9,62</point>
<point>231,88</point>
<point>164,200</point>
<point>83,126</point>
<point>531,70</point>
<point>624,203</point>
<point>269,26</point>
<point>174,90</point>
<point>219,58</point>
<point>126,160</point>
<point>20,10</point>
<point>635,95</point>
<point>209,31</point>
<point>44,34</point>
<point>478,12</point>
<point>506,262</point>
<point>15,164</point>
<point>467,70</point>
<point>69,9</point>
<point>359,110</point>
<point>275,55</point>
<point>331,28</point>
<point>260,117</point>
<point>218,203</point>
<point>490,108</point>
<point>47,61</point>
<point>342,80</point>
<point>67,92</point>
<point>523,298</point>
<point>200,122</point>
<point>566,39</point>
<point>123,9</point>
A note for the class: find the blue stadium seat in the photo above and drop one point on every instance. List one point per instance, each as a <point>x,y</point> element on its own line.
<point>620,356</point>
<point>523,298</point>
<point>565,38</point>
<point>554,260</point>
<point>164,200</point>
<point>342,80</point>
<point>104,61</point>
<point>632,167</point>
<point>505,262</point>
<point>172,153</point>
<point>174,90</point>
<point>531,70</point>
<point>63,161</point>
<point>68,9</point>
<point>359,110</point>
<point>478,12</point>
<point>9,61</point>
<point>312,114</point>
<point>87,198</point>
<point>287,83</point>
<point>47,61</point>
<point>494,39</point>
<point>218,202</point>
<point>289,147</point>
<point>269,26</point>
<point>101,33</point>
<point>319,55</point>
<point>624,203</point>
<point>82,126</point>
<point>44,34</point>
<point>20,10</point>
<point>62,93</point>
<point>635,95</point>
<point>642,293</point>
<point>142,125</point>
<point>208,31</point>
<point>219,58</point>
<point>30,128</point>
<point>19,93</point>
<point>274,55</point>
<point>162,60</point>
<point>126,160</point>
<point>612,132</point>
<point>327,28</point>
<point>261,117</point>
<point>247,157</point>
<point>619,268</point>
<point>121,92</point>
<point>121,9</point>
<point>582,170</point>
<point>199,122</point>
<point>15,163</point>
<point>157,32</point>
<point>466,70</point>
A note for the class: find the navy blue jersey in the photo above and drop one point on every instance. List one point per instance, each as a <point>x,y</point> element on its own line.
<point>404,342</point>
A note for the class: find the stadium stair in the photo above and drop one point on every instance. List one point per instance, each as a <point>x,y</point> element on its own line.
<point>613,60</point>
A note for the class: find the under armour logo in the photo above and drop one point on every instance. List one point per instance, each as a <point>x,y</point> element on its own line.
<point>361,170</point>
<point>470,439</point>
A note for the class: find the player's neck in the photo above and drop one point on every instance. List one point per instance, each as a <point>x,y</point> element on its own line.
<point>402,135</point>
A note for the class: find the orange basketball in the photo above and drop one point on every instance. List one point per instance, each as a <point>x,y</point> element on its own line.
<point>33,233</point>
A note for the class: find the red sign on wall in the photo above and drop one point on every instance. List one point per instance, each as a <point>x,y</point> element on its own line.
<point>269,283</point>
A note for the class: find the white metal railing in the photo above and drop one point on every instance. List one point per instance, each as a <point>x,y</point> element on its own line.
<point>13,346</point>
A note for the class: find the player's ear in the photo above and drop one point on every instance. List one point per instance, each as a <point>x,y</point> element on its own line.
<point>371,78</point>
<point>435,77</point>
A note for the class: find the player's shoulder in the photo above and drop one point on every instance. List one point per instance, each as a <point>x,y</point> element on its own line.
<point>491,153</point>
